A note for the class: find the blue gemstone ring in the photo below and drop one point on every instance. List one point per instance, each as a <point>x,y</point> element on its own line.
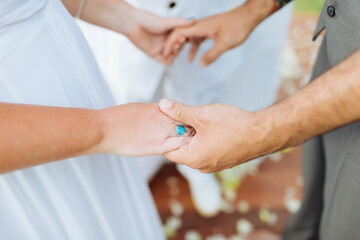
<point>180,130</point>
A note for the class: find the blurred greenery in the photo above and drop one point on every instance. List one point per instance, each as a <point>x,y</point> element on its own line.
<point>308,6</point>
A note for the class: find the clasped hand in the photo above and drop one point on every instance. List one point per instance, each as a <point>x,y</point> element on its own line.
<point>162,38</point>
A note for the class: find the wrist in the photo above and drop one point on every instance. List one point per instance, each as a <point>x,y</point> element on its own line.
<point>121,17</point>
<point>115,15</point>
<point>100,128</point>
<point>259,9</point>
<point>274,129</point>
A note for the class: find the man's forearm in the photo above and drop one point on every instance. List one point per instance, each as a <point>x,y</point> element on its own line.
<point>330,101</point>
<point>262,9</point>
<point>32,135</point>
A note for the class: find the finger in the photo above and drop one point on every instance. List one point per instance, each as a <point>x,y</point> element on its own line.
<point>174,143</point>
<point>181,130</point>
<point>211,55</point>
<point>171,41</point>
<point>177,47</point>
<point>177,111</point>
<point>172,23</point>
<point>189,32</point>
<point>179,155</point>
<point>192,53</point>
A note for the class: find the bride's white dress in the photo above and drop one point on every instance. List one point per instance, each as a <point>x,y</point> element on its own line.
<point>45,60</point>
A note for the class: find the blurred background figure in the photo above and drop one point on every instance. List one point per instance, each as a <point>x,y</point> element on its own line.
<point>245,77</point>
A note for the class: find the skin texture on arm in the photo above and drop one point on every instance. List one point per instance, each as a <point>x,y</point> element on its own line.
<point>32,135</point>
<point>227,136</point>
<point>147,31</point>
<point>228,30</point>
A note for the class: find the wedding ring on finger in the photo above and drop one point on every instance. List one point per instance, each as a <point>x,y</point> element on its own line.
<point>180,130</point>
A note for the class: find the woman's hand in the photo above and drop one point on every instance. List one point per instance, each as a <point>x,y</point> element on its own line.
<point>146,30</point>
<point>32,135</point>
<point>149,32</point>
<point>139,129</point>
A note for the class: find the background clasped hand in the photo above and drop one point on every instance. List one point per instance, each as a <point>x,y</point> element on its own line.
<point>146,30</point>
<point>228,30</point>
<point>225,135</point>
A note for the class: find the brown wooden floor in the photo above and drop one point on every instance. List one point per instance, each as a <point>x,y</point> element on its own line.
<point>267,188</point>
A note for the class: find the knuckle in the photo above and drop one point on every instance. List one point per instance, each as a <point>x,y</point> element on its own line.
<point>204,114</point>
<point>179,113</point>
<point>195,165</point>
<point>206,171</point>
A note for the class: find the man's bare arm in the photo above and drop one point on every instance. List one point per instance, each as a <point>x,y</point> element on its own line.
<point>330,101</point>
<point>227,136</point>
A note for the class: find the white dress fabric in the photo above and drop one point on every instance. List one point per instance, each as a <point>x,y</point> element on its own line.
<point>45,60</point>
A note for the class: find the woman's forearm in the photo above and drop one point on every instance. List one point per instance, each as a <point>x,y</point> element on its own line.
<point>33,135</point>
<point>116,15</point>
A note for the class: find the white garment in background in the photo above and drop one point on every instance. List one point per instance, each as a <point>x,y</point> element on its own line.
<point>246,76</point>
<point>45,60</point>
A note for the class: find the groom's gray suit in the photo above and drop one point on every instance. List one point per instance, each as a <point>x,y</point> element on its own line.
<point>331,201</point>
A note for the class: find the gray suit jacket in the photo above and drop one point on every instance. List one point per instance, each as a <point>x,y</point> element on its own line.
<point>331,164</point>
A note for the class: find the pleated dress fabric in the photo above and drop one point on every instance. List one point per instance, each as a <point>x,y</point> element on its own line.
<point>45,60</point>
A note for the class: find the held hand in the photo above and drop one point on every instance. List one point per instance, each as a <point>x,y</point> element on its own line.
<point>228,30</point>
<point>149,32</point>
<point>225,136</point>
<point>139,129</point>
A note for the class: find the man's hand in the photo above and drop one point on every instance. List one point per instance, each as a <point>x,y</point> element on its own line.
<point>228,30</point>
<point>225,136</point>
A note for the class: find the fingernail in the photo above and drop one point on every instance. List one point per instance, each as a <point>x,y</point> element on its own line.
<point>165,103</point>
<point>190,18</point>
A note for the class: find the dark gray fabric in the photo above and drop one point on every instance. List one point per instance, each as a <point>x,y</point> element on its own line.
<point>305,224</point>
<point>331,164</point>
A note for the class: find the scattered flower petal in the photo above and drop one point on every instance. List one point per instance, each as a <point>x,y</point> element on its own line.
<point>244,227</point>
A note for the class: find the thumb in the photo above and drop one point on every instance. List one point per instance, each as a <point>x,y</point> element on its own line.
<point>211,55</point>
<point>177,111</point>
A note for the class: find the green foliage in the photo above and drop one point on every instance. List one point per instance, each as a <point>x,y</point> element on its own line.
<point>308,6</point>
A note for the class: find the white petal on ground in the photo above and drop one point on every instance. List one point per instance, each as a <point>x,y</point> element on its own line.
<point>216,237</point>
<point>300,181</point>
<point>169,232</point>
<point>244,227</point>
<point>292,204</point>
<point>230,194</point>
<point>275,156</point>
<point>273,219</point>
<point>172,181</point>
<point>174,222</point>
<point>176,207</point>
<point>193,235</point>
<point>243,207</point>
<point>226,207</point>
